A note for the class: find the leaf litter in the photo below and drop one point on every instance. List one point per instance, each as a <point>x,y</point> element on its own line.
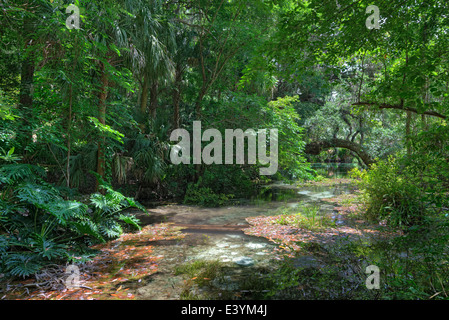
<point>126,259</point>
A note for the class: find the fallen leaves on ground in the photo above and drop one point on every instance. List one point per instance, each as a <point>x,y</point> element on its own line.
<point>347,203</point>
<point>326,182</point>
<point>289,237</point>
<point>126,259</point>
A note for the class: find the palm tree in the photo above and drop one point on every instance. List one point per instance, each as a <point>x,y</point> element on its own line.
<point>182,55</point>
<point>151,42</point>
<point>151,45</point>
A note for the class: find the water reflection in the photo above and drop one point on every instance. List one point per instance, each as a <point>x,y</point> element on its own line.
<point>333,169</point>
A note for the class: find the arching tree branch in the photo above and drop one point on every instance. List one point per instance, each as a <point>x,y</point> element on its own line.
<point>400,107</point>
<point>315,148</point>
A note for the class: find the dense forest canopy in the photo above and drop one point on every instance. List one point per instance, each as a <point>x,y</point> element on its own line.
<point>90,92</point>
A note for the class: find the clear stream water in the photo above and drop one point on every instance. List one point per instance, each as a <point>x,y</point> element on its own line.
<point>213,234</point>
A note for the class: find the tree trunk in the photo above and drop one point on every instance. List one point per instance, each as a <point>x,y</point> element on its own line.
<point>143,102</point>
<point>102,119</point>
<point>69,143</point>
<point>177,97</point>
<point>408,132</point>
<point>26,82</point>
<point>153,99</point>
<point>199,101</point>
<point>69,116</point>
<point>424,122</point>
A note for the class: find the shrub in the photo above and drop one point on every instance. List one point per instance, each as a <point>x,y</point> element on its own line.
<point>204,196</point>
<point>230,178</point>
<point>390,194</point>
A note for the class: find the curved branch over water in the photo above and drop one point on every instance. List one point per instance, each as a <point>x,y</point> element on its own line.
<point>315,148</point>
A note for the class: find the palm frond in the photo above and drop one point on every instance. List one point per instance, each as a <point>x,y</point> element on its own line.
<point>121,165</point>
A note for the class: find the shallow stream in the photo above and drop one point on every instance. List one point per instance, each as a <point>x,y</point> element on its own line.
<point>216,234</point>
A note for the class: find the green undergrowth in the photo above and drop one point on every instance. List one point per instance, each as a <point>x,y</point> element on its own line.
<point>204,196</point>
<point>39,226</point>
<point>305,217</point>
<point>412,266</point>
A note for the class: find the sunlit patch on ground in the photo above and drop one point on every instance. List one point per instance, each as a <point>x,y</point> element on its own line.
<point>326,182</point>
<point>290,237</point>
